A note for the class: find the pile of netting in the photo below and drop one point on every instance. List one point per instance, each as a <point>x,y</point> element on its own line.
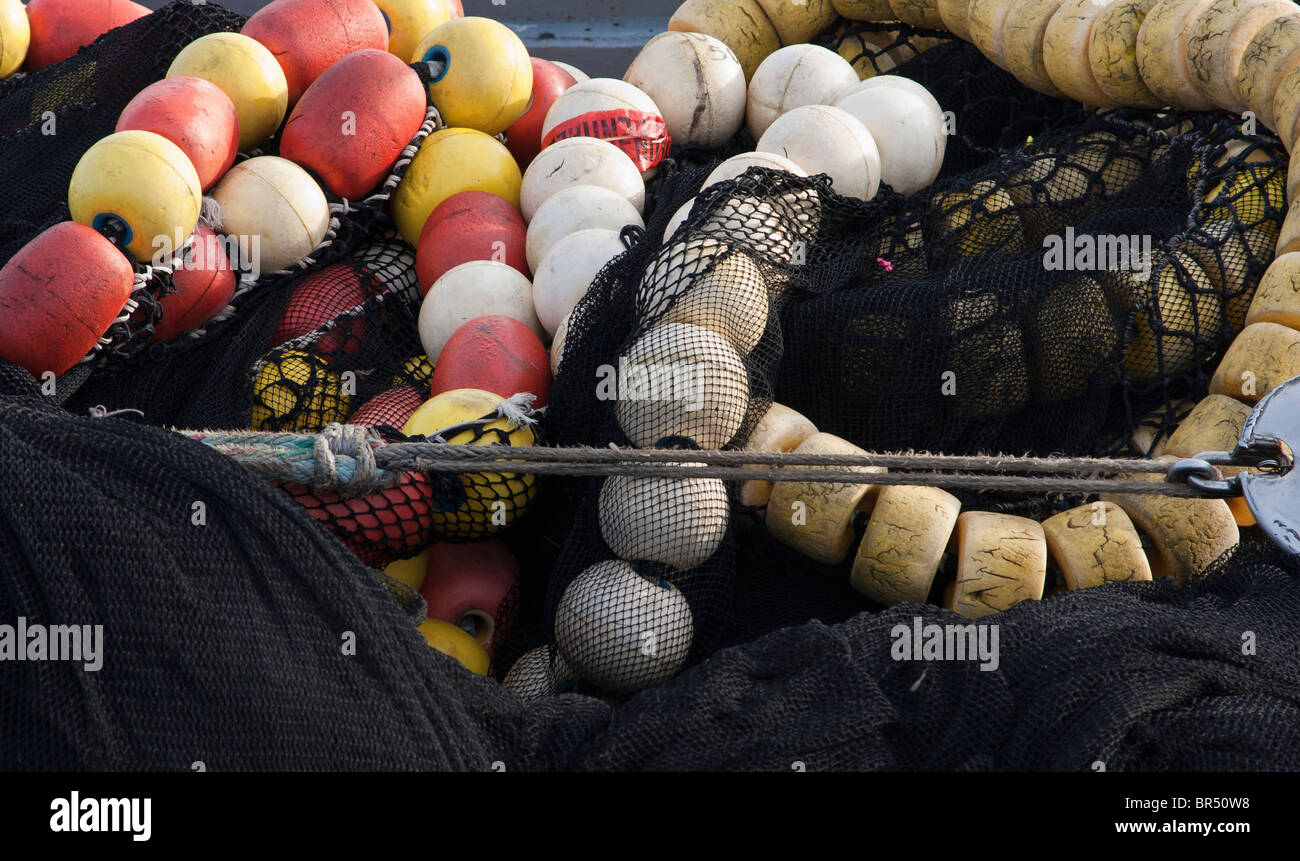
<point>926,322</point>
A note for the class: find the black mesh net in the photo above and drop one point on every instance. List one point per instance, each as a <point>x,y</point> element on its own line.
<point>933,321</point>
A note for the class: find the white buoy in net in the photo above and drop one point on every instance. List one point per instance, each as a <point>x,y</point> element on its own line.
<point>704,282</point>
<point>738,164</point>
<point>620,631</point>
<point>679,380</point>
<point>535,677</point>
<point>679,522</point>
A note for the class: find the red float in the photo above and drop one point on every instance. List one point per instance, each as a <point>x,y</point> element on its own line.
<point>318,299</point>
<point>205,283</point>
<point>474,586</point>
<point>309,36</point>
<point>391,524</point>
<point>391,407</point>
<point>62,27</point>
<point>192,113</point>
<point>496,354</point>
<point>524,138</point>
<point>470,225</point>
<point>58,296</point>
<point>353,123</point>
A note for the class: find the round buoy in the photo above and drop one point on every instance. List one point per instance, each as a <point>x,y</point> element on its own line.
<point>351,142</point>
<point>390,408</point>
<point>908,131</point>
<point>704,282</point>
<point>580,161</point>
<point>606,618</point>
<point>141,187</point>
<point>679,218</point>
<point>557,345</point>
<point>319,299</point>
<point>59,28</point>
<point>60,293</point>
<point>480,288</point>
<point>192,113</point>
<point>470,225</point>
<point>473,586</point>
<point>825,139</point>
<point>578,74</point>
<point>567,271</point>
<point>483,77</point>
<point>205,284</point>
<point>681,380</point>
<point>495,354</point>
<point>524,137</point>
<point>679,522</point>
<point>451,161</point>
<point>794,76</point>
<point>490,501</point>
<point>579,207</point>
<point>15,36</point>
<point>536,676</point>
<point>246,72</point>
<point>697,82</point>
<point>737,165</point>
<point>309,36</point>
<point>409,21</point>
<point>611,110</point>
<point>276,203</point>
<point>297,391</point>
<point>452,641</point>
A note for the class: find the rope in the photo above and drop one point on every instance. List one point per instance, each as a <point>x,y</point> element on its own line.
<point>356,460</point>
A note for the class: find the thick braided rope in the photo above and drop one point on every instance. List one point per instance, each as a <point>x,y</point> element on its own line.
<point>355,460</point>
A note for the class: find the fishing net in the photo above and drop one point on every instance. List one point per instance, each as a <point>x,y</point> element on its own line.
<point>936,321</point>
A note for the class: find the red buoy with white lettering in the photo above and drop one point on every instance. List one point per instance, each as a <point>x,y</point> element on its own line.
<point>61,27</point>
<point>496,354</point>
<point>58,296</point>
<point>473,586</point>
<point>192,113</point>
<point>524,137</point>
<point>309,36</point>
<point>470,225</point>
<point>353,123</point>
<point>205,284</point>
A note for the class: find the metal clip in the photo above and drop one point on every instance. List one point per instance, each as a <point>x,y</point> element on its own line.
<point>1199,472</point>
<point>1266,437</point>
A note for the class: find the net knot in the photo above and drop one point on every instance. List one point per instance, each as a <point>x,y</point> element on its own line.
<point>351,441</point>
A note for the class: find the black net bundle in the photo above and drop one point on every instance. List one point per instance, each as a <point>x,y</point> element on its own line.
<point>926,322</point>
<point>222,647</point>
